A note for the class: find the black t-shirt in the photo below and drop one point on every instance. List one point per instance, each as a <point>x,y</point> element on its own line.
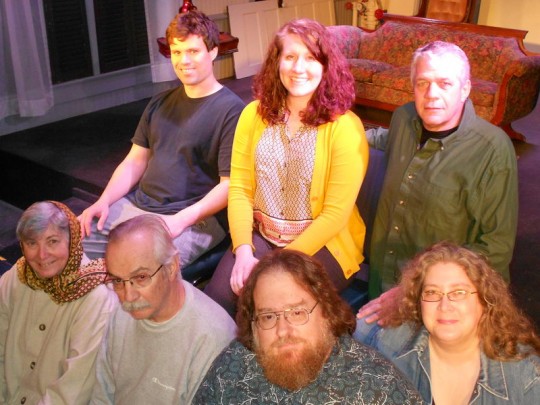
<point>190,140</point>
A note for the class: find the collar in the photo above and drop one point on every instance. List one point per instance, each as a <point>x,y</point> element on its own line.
<point>467,117</point>
<point>491,377</point>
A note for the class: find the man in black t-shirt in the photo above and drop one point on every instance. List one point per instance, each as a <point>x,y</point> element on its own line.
<point>180,157</point>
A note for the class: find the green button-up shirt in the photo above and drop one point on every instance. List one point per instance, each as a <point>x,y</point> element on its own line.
<point>462,188</point>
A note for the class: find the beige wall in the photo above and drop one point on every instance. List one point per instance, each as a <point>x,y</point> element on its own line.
<point>520,14</point>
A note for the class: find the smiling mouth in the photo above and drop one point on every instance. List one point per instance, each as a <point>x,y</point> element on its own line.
<point>47,265</point>
<point>447,321</point>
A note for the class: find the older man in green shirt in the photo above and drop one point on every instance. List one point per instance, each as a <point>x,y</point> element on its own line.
<point>451,175</point>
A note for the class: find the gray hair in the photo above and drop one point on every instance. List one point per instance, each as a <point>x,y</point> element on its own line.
<point>38,217</point>
<point>438,49</point>
<point>164,249</point>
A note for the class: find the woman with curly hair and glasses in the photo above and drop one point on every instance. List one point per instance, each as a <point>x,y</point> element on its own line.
<point>456,333</point>
<point>299,157</point>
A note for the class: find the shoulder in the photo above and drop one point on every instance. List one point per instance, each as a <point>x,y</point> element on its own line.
<point>348,120</point>
<point>11,288</point>
<point>525,373</point>
<point>233,360</point>
<point>405,112</point>
<point>251,109</point>
<point>365,366</point>
<point>389,341</point>
<point>227,100</point>
<point>206,315</point>
<point>102,298</point>
<point>346,130</point>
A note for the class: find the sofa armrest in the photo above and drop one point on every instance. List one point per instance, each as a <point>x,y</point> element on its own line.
<point>347,38</point>
<point>518,91</point>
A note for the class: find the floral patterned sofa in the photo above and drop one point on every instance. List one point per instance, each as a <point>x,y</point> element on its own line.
<point>505,77</point>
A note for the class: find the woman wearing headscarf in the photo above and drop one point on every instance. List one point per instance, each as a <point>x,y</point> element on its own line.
<point>53,312</point>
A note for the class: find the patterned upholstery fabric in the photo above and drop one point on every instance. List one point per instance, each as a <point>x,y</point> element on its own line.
<point>505,81</point>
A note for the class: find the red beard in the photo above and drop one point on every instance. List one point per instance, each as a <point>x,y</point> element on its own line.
<point>295,368</point>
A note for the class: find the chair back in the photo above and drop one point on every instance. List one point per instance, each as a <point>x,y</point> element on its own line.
<point>450,10</point>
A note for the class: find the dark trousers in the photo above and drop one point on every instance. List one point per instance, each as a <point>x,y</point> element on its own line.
<point>219,287</point>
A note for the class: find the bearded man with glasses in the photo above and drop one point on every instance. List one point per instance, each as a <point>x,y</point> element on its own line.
<point>295,344</point>
<point>165,335</point>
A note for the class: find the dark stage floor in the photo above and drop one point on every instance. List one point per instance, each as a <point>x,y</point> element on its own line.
<point>73,159</point>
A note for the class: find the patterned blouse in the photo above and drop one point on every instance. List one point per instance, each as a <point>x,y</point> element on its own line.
<point>284,165</point>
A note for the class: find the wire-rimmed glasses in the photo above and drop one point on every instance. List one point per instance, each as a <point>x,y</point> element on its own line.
<point>436,296</point>
<point>138,281</point>
<point>295,316</point>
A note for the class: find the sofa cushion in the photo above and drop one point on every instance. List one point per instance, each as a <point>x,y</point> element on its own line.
<point>483,92</point>
<point>397,78</point>
<point>364,69</point>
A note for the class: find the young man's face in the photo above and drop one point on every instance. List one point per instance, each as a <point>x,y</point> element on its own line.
<point>439,94</point>
<point>192,62</point>
<point>290,355</point>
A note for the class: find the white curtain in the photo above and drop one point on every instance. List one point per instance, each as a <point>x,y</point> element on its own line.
<point>159,14</point>
<point>25,80</point>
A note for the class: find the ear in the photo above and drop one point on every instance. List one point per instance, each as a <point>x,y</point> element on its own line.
<point>214,53</point>
<point>466,90</point>
<point>174,268</point>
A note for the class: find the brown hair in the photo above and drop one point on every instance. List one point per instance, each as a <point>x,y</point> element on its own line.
<point>193,23</point>
<point>505,332</point>
<point>307,272</point>
<point>335,93</point>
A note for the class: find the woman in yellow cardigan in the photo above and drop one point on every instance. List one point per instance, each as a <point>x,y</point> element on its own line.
<point>299,157</point>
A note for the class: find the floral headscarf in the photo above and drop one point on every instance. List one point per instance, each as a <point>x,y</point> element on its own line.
<point>75,281</point>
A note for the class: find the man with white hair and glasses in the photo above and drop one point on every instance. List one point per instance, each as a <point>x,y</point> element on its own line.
<point>165,335</point>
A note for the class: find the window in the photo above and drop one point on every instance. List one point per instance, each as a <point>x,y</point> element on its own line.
<point>116,28</point>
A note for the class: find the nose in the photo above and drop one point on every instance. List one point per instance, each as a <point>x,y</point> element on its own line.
<point>431,90</point>
<point>130,293</point>
<point>43,252</point>
<point>283,327</point>
<point>299,65</point>
<point>184,58</point>
<point>445,304</point>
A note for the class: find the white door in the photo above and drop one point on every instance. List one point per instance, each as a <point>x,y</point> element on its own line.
<point>255,23</point>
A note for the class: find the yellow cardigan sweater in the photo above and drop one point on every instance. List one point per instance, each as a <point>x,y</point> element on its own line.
<point>341,158</point>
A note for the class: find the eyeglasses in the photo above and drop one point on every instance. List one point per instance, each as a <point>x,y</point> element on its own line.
<point>456,295</point>
<point>138,281</point>
<point>295,316</point>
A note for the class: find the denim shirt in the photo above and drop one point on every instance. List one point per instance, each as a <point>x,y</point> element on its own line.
<point>499,383</point>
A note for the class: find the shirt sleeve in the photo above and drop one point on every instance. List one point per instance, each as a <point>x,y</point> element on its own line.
<point>241,188</point>
<point>497,212</point>
<point>377,137</point>
<point>5,303</point>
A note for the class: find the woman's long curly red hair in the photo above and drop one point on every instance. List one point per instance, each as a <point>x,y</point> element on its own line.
<point>335,93</point>
<point>505,333</point>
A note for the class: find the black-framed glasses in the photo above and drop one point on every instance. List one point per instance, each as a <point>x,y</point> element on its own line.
<point>295,316</point>
<point>436,296</point>
<point>139,281</point>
